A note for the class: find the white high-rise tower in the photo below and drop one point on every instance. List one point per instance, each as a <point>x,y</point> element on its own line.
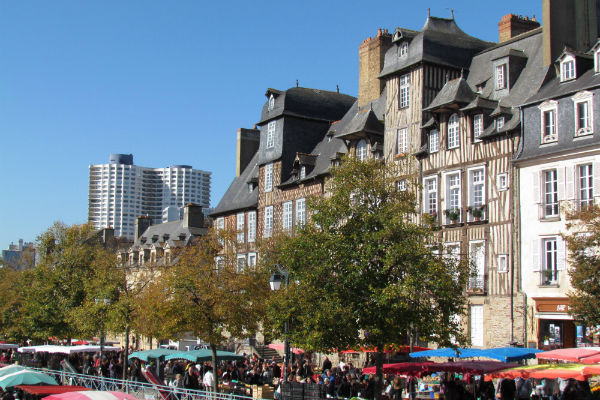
<point>121,191</point>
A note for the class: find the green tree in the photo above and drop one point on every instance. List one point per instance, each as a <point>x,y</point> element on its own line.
<point>364,271</point>
<point>206,292</point>
<point>583,243</point>
<point>12,287</point>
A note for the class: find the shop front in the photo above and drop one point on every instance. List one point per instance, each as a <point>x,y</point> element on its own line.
<point>556,328</point>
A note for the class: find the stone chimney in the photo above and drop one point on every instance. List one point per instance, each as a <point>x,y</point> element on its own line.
<point>572,23</point>
<point>142,223</point>
<point>108,234</point>
<point>512,25</point>
<point>247,145</point>
<point>193,217</point>
<point>371,54</point>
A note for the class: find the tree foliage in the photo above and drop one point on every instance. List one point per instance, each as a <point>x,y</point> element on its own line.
<point>583,243</point>
<point>366,272</point>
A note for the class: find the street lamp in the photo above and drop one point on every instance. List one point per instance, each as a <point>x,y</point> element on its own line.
<point>105,302</point>
<point>276,280</point>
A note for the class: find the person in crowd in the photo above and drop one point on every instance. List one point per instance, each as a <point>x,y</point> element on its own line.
<point>396,389</point>
<point>507,389</point>
<point>524,388</point>
<point>190,379</point>
<point>208,379</point>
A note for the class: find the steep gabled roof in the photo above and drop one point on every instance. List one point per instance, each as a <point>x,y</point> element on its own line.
<point>237,196</point>
<point>171,230</point>
<point>455,92</point>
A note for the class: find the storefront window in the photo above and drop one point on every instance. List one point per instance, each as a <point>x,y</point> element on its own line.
<point>552,333</point>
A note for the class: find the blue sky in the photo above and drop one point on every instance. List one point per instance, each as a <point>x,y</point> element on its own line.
<point>169,82</point>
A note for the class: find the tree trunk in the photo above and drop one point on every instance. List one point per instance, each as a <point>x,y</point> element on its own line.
<point>379,371</point>
<point>213,349</point>
<point>126,358</point>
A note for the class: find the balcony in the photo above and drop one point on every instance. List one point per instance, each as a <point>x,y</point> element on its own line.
<point>549,277</point>
<point>476,285</point>
<point>549,211</point>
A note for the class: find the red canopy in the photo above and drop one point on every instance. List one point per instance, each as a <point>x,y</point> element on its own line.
<point>388,349</point>
<point>573,355</point>
<point>410,368</point>
<point>46,390</point>
<point>471,367</point>
<point>80,342</point>
<point>280,347</point>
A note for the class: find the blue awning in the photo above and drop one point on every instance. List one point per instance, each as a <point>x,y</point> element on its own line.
<point>505,354</point>
<point>447,352</point>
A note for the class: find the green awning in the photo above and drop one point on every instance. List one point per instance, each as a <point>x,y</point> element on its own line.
<point>203,355</point>
<point>144,355</point>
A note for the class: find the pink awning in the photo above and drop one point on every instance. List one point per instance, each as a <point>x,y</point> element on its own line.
<point>572,354</point>
<point>280,347</point>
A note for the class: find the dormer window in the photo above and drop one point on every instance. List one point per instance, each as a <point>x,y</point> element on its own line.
<point>271,102</point>
<point>549,131</point>
<point>499,122</point>
<point>250,187</point>
<point>303,172</point>
<point>403,49</point>
<point>567,69</point>
<point>361,150</point>
<point>501,76</point>
<point>597,61</point>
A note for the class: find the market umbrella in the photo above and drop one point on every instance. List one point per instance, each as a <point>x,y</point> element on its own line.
<point>469,367</point>
<point>410,368</point>
<point>26,377</point>
<point>543,371</point>
<point>8,346</point>
<point>144,355</point>
<point>571,354</point>
<point>91,395</point>
<point>507,354</point>
<point>43,390</point>
<point>388,349</point>
<point>11,369</point>
<point>447,352</point>
<point>280,347</point>
<point>203,355</point>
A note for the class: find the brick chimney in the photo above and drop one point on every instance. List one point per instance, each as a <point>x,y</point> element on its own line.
<point>371,53</point>
<point>247,144</point>
<point>142,223</point>
<point>512,25</point>
<point>193,217</point>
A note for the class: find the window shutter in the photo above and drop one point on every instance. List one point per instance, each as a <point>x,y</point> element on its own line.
<point>535,180</point>
<point>560,176</point>
<point>570,188</point>
<point>596,179</point>
<point>560,254</point>
<point>535,251</point>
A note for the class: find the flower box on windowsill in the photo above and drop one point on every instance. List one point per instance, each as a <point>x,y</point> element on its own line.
<point>399,156</point>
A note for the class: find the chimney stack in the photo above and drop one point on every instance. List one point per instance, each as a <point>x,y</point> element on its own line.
<point>371,54</point>
<point>193,217</point>
<point>512,25</point>
<point>142,223</point>
<point>247,144</point>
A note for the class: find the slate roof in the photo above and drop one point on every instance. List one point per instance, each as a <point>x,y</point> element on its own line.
<point>480,103</point>
<point>303,102</point>
<point>555,88</point>
<point>172,230</point>
<point>441,42</point>
<point>237,196</point>
<point>454,92</point>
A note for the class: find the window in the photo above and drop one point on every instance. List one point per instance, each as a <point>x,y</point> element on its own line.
<point>567,69</point>
<point>597,61</point>
<point>477,127</point>
<point>583,113</point>
<point>303,172</point>
<point>477,260</point>
<point>452,252</point>
<point>550,196</point>
<point>404,99</point>
<point>240,227</point>
<point>434,138</point>
<point>548,123</point>
<point>241,263</point>
<point>220,223</point>
<point>476,325</point>
<point>403,49</point>
<point>499,122</point>
<point>271,102</point>
<point>501,77</point>
<point>453,133</point>
<point>502,181</point>
<point>549,261</point>
<point>250,187</point>
<point>219,263</point>
<point>268,177</point>
<point>585,185</point>
<point>251,226</point>
<point>453,198</point>
<point>271,134</point>
<point>252,259</point>
<point>477,194</point>
<point>361,150</point>
<point>502,262</point>
<point>300,212</point>
<point>401,141</point>
<point>287,216</point>
<point>430,195</point>
<point>401,185</point>
<point>268,232</point>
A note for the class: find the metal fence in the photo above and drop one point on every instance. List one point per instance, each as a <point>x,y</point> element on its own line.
<point>141,390</point>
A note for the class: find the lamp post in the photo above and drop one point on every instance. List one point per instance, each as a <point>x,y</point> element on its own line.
<point>105,302</point>
<point>276,280</point>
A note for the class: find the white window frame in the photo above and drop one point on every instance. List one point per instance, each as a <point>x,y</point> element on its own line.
<point>361,150</point>
<point>240,263</point>
<point>453,193</point>
<point>502,263</point>
<point>404,91</point>
<point>219,263</point>
<point>549,121</point>
<point>287,216</point>
<point>430,195</point>
<point>271,102</point>
<point>502,181</point>
<point>473,202</point>
<point>550,198</point>
<point>550,259</point>
<point>476,325</point>
<point>477,281</point>
<point>240,222</point>
<point>401,141</point>
<point>403,49</point>
<point>303,172</point>
<point>270,142</point>
<point>268,222</point>
<point>401,185</point>
<point>453,129</point>
<point>252,259</point>
<point>300,212</point>
<point>251,226</point>
<point>501,76</point>
<point>268,177</point>
<point>585,185</point>
<point>583,98</point>
<point>597,60</point>
<point>499,122</point>
<point>477,127</point>
<point>452,251</point>
<point>568,69</point>
<point>434,140</point>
